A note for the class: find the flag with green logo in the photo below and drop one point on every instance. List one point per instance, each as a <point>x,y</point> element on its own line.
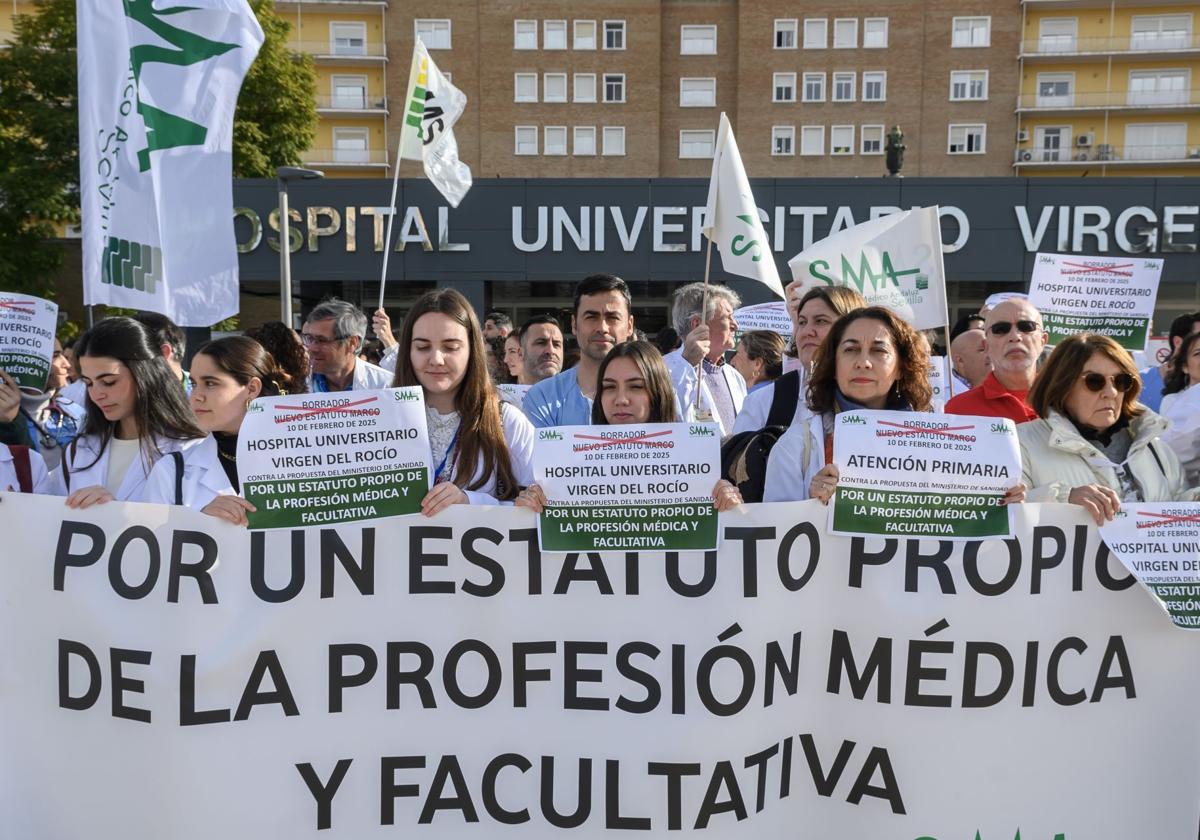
<point>894,262</point>
<point>731,220</point>
<point>157,90</point>
<point>431,108</point>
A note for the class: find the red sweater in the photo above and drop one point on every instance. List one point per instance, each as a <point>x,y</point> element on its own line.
<point>991,399</point>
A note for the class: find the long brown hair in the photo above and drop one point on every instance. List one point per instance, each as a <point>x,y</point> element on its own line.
<point>1061,372</point>
<point>481,430</point>
<point>244,359</point>
<point>653,369</point>
<point>1177,376</point>
<point>912,383</point>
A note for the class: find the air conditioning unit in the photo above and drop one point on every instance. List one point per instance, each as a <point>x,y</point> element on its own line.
<point>1105,152</point>
<point>1083,141</point>
<point>1025,155</point>
<point>1081,156</point>
<point>1023,135</point>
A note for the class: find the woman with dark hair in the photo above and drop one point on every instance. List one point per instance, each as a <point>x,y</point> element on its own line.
<point>227,375</point>
<point>480,447</point>
<point>285,347</point>
<point>1181,406</point>
<point>812,317</point>
<point>136,413</point>
<point>1095,445</point>
<point>634,386</point>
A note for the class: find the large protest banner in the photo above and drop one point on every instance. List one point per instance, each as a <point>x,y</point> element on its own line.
<point>27,326</point>
<point>169,675</point>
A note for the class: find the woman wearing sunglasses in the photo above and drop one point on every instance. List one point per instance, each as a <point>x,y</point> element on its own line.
<point>1095,445</point>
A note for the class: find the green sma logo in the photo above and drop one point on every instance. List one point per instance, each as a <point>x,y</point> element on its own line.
<point>1002,429</point>
<point>702,431</point>
<point>867,277</point>
<point>549,434</point>
<point>407,396</point>
<point>853,420</point>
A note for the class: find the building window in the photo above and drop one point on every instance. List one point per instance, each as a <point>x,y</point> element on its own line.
<point>1161,32</point>
<point>554,34</point>
<point>785,33</point>
<point>614,140</point>
<point>872,139</point>
<point>526,140</point>
<point>1052,143</point>
<point>845,33</point>
<point>1055,89</point>
<point>554,140</point>
<point>348,38</point>
<point>434,33</point>
<point>697,40</point>
<point>1057,34</point>
<point>966,85</point>
<point>784,85</point>
<point>350,145</point>
<point>967,139</point>
<point>783,140</point>
<point>812,140</point>
<point>349,92</point>
<point>585,140</point>
<point>875,33</point>
<point>816,33</point>
<point>585,37</point>
<point>1159,87</point>
<point>971,32</point>
<point>554,87</point>
<point>524,34</point>
<point>814,87</point>
<point>697,93</point>
<point>841,140</point>
<point>843,87</point>
<point>1156,141</point>
<point>696,144</point>
<point>525,87</point>
<point>614,87</point>
<point>585,87</point>
<point>614,36</point>
<point>874,84</point>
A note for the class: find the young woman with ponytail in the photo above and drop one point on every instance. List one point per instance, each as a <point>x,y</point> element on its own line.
<point>227,374</point>
<point>481,448</point>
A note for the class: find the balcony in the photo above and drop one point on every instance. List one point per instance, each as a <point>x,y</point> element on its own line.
<point>346,158</point>
<point>1132,100</point>
<point>331,52</point>
<point>332,5</point>
<point>1109,155</point>
<point>352,104</point>
<point>1158,44</point>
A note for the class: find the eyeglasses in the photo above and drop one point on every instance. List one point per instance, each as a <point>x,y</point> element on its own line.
<point>1005,327</point>
<point>1095,382</point>
<point>310,340</point>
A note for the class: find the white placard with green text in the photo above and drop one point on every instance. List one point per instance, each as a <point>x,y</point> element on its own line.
<point>771,316</point>
<point>1112,296</point>
<point>27,326</point>
<point>1160,543</point>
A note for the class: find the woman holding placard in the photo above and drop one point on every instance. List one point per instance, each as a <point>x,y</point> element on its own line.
<point>481,448</point>
<point>1095,446</point>
<point>634,387</point>
<point>227,375</point>
<point>136,413</point>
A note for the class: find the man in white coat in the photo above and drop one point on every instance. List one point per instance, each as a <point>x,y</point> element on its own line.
<point>333,333</point>
<point>707,332</point>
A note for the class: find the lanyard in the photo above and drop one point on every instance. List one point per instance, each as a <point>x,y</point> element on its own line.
<point>437,474</point>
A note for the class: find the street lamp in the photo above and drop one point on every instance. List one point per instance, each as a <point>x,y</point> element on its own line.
<point>283,175</point>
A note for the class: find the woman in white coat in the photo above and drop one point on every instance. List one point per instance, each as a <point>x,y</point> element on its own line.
<point>136,413</point>
<point>1181,407</point>
<point>481,448</point>
<point>1095,445</point>
<point>227,374</point>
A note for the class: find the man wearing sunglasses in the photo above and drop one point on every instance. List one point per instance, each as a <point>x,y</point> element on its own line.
<point>333,334</point>
<point>1015,341</point>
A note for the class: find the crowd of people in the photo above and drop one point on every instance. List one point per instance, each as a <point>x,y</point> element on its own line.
<point>120,418</point>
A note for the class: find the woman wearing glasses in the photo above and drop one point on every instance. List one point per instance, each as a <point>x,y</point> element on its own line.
<point>1095,445</point>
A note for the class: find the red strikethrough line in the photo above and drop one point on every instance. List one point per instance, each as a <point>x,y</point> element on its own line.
<point>309,412</point>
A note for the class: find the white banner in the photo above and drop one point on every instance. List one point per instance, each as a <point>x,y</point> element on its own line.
<point>432,107</point>
<point>894,261</point>
<point>167,675</point>
<point>27,328</point>
<point>157,92</point>
<point>1160,543</point>
<point>1105,295</point>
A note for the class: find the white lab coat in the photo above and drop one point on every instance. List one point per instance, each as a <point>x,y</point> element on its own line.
<point>367,377</point>
<point>79,455</point>
<point>685,379</point>
<point>757,408</point>
<point>795,459</point>
<point>39,475</point>
<point>518,431</point>
<point>203,477</point>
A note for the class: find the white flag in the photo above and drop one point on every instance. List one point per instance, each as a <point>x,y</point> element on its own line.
<point>731,219</point>
<point>431,108</point>
<point>894,261</point>
<point>157,92</point>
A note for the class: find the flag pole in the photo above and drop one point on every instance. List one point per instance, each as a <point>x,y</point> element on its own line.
<point>703,312</point>
<point>387,239</point>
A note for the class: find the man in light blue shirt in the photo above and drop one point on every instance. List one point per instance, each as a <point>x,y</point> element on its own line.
<point>601,320</point>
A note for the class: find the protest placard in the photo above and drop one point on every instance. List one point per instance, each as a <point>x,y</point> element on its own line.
<point>621,488</point>
<point>943,383</point>
<point>1105,295</point>
<point>435,679</point>
<point>27,326</point>
<point>764,316</point>
<point>905,473</point>
<point>341,457</point>
<point>510,392</point>
<point>1160,543</point>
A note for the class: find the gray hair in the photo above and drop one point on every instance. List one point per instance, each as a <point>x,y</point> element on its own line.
<point>689,299</point>
<point>348,319</point>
